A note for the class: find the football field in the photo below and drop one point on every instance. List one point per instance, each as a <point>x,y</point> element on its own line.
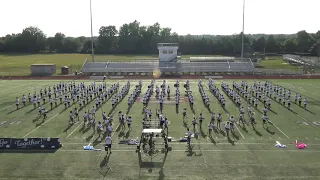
<point>248,154</point>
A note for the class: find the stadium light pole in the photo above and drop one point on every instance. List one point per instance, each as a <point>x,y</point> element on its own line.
<point>242,43</point>
<point>92,51</point>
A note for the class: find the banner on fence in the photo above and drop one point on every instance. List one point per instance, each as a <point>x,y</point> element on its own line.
<point>30,143</point>
<point>116,77</point>
<point>213,77</point>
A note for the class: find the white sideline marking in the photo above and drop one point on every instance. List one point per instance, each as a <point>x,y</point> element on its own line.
<point>41,125</point>
<point>185,143</point>
<point>205,150</point>
<point>239,130</point>
<point>306,137</point>
<point>15,119</point>
<point>306,91</point>
<point>235,124</point>
<point>21,92</point>
<point>308,122</point>
<point>280,130</point>
<point>313,86</point>
<point>6,107</point>
<point>12,88</point>
<point>73,130</point>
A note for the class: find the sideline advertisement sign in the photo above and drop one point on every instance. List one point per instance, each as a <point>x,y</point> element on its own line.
<point>30,143</point>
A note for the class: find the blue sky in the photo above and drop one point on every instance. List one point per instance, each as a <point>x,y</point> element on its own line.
<point>222,17</point>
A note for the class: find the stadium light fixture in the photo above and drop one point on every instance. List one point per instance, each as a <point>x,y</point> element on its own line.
<point>242,43</point>
<point>92,51</point>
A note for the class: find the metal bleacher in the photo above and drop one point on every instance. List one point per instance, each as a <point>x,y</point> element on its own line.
<point>147,67</point>
<point>169,61</point>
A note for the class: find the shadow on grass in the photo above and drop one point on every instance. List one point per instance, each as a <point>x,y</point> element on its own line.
<point>310,111</point>
<point>273,111</point>
<point>127,135</point>
<point>90,137</point>
<point>105,164</point>
<point>66,129</point>
<point>243,127</point>
<point>231,141</point>
<point>203,134</point>
<point>213,141</point>
<point>222,132</point>
<point>190,150</point>
<point>31,110</point>
<point>40,123</point>
<point>235,135</point>
<point>121,134</point>
<point>15,110</point>
<point>82,128</point>
<point>39,151</point>
<point>96,141</point>
<point>268,130</point>
<point>257,132</point>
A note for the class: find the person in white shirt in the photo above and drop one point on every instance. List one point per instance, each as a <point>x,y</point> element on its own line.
<point>189,133</point>
<point>99,128</point>
<point>265,119</point>
<point>231,122</point>
<point>71,117</point>
<point>129,121</point>
<point>211,128</point>
<point>24,100</point>
<point>305,102</point>
<point>109,129</point>
<point>40,111</point>
<point>289,103</point>
<point>85,118</point>
<point>34,103</point>
<point>51,102</point>
<point>228,127</point>
<point>17,103</point>
<point>108,144</point>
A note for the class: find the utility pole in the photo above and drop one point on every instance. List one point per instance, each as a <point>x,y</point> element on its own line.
<point>92,51</point>
<point>242,43</point>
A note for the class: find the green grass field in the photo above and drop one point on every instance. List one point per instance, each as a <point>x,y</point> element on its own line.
<point>19,64</point>
<point>248,155</point>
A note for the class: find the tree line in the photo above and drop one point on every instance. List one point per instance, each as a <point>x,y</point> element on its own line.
<point>133,38</point>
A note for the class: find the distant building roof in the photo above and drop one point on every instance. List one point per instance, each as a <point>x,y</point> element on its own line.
<point>43,64</point>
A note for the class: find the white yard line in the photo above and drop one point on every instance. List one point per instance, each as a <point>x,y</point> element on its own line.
<point>12,88</point>
<point>20,93</point>
<point>308,122</point>
<point>6,107</point>
<point>313,86</point>
<point>239,130</point>
<point>205,150</point>
<point>14,119</point>
<point>212,176</point>
<point>184,143</point>
<point>74,130</point>
<point>41,125</point>
<point>280,130</point>
<point>235,124</point>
